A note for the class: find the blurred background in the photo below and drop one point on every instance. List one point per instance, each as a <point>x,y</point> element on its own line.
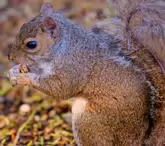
<point>28,117</point>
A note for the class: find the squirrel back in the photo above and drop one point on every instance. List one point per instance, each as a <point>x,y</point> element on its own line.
<point>144,26</point>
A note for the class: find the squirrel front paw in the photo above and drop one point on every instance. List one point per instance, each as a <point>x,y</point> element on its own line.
<point>17,77</point>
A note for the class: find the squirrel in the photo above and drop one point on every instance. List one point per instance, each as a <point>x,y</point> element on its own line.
<point>118,82</point>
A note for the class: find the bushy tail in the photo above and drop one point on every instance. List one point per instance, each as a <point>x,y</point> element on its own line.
<point>126,7</point>
<point>144,24</point>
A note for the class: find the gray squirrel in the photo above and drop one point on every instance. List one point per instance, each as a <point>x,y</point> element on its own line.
<point>118,82</point>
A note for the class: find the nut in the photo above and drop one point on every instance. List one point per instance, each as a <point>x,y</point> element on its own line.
<point>24,68</point>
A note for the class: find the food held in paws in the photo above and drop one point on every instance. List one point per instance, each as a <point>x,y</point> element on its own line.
<point>24,68</point>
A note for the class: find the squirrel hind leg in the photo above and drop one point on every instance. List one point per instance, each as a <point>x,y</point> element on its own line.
<point>86,126</point>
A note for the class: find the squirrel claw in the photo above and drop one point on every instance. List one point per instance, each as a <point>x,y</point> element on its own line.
<point>20,79</point>
<point>23,79</point>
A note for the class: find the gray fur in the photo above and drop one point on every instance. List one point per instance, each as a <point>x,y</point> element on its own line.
<point>118,91</point>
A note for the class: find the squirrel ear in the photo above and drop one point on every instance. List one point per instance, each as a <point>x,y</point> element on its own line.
<point>46,8</point>
<point>50,23</point>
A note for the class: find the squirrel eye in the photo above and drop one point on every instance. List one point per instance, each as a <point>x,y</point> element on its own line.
<point>31,45</point>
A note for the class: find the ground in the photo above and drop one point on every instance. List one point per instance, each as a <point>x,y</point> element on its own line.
<point>28,117</point>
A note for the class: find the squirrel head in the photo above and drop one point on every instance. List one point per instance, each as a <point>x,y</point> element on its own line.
<point>37,37</point>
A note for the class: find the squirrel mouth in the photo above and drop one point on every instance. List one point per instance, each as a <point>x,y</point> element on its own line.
<point>29,68</point>
<point>26,65</point>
